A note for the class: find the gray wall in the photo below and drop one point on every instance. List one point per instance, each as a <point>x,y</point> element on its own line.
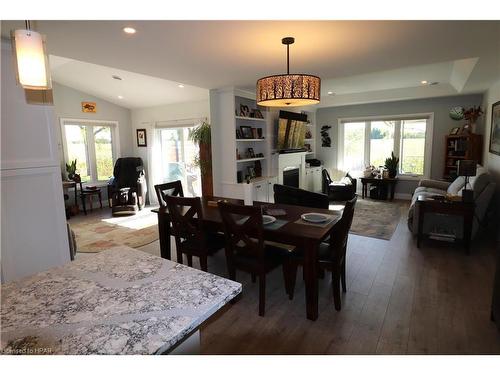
<point>67,103</point>
<point>442,126</point>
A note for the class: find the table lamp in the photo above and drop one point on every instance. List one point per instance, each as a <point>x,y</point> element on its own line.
<point>467,168</point>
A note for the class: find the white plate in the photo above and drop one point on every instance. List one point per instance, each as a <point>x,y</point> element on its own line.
<point>266,219</point>
<point>314,218</point>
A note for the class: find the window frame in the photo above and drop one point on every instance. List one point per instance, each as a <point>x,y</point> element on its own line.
<point>429,135</point>
<point>91,153</point>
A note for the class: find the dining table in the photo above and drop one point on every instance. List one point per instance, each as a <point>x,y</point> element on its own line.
<point>295,232</point>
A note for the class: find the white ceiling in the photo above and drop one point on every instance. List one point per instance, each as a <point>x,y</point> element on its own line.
<point>358,60</point>
<point>136,90</point>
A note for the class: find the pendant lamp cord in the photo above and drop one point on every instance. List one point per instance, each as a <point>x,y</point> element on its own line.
<point>287,59</point>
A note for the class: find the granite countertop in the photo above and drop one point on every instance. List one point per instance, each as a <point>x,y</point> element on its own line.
<point>120,301</point>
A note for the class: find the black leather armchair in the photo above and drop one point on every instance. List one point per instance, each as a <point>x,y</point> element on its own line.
<point>338,191</point>
<point>128,187</point>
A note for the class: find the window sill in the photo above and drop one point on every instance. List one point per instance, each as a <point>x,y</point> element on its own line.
<point>410,178</point>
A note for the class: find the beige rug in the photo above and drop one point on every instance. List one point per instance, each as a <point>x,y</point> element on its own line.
<point>377,219</point>
<point>98,234</point>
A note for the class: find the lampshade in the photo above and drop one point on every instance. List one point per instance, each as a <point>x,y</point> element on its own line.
<point>31,60</point>
<point>466,168</point>
<point>288,90</point>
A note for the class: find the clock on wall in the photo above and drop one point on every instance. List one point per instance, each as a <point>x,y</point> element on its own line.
<point>457,113</point>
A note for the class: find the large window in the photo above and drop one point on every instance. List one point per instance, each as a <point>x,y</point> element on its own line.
<point>370,141</point>
<point>92,145</point>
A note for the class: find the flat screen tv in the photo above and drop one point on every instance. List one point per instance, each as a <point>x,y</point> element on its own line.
<point>291,131</point>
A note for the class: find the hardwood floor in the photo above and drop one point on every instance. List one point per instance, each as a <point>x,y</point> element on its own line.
<point>399,300</point>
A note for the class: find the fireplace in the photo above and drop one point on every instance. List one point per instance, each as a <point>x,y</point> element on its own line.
<point>291,176</point>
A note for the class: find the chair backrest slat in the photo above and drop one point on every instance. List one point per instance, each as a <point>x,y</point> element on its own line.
<point>173,188</point>
<point>339,236</point>
<point>186,216</point>
<point>243,229</point>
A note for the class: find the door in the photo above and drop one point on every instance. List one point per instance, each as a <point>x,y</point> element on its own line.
<point>179,159</point>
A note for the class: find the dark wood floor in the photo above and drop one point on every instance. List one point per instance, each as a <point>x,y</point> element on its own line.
<point>399,300</point>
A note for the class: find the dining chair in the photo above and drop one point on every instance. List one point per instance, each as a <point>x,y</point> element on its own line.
<point>191,238</point>
<point>331,255</point>
<point>173,188</point>
<point>245,246</point>
<point>284,194</point>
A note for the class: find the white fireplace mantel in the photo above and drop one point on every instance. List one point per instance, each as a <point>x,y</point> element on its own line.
<point>296,159</point>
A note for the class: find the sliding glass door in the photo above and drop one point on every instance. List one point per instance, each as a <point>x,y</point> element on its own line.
<point>179,158</point>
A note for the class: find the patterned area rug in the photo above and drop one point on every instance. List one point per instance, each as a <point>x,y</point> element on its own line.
<point>95,235</point>
<point>377,219</point>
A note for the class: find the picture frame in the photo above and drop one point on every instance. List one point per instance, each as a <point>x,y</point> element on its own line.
<point>495,129</point>
<point>251,171</point>
<point>246,132</point>
<point>141,138</point>
<point>89,107</point>
<point>455,131</point>
<point>250,153</point>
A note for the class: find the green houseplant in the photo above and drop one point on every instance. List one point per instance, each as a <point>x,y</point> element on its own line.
<point>71,169</point>
<point>201,135</point>
<point>392,165</point>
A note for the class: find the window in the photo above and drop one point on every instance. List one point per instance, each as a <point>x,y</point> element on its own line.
<point>91,144</point>
<point>370,141</point>
<point>179,159</point>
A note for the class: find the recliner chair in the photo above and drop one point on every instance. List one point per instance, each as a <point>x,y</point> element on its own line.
<point>128,187</point>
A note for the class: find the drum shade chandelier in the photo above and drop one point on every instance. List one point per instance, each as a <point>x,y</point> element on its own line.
<point>31,62</point>
<point>288,90</point>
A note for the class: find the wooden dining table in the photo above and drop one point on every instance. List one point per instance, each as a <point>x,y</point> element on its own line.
<point>303,236</point>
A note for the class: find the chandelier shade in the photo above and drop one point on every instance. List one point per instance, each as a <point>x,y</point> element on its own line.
<point>288,90</point>
<point>31,60</point>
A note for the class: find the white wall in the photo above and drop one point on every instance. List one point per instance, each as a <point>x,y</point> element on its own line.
<point>145,118</point>
<point>33,227</point>
<point>68,104</point>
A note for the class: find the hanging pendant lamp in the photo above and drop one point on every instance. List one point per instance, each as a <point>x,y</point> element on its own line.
<point>32,64</point>
<point>288,90</point>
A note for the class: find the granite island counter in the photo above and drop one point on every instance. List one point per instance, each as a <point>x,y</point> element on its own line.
<point>120,301</point>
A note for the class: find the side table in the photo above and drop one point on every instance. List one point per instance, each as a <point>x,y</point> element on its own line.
<point>425,204</point>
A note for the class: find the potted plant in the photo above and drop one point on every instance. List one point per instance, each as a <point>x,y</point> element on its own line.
<point>71,169</point>
<point>392,165</point>
<point>471,115</point>
<point>201,135</point>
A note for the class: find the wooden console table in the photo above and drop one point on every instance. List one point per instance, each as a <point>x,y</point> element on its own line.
<point>390,183</point>
<point>458,208</point>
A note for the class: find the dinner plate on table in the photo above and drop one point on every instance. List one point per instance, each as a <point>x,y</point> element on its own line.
<point>266,219</point>
<point>314,218</point>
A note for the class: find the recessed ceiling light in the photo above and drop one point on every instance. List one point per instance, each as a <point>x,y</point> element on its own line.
<point>116,77</point>
<point>120,97</point>
<point>424,82</point>
<point>129,30</point>
<point>330,93</point>
<point>180,85</point>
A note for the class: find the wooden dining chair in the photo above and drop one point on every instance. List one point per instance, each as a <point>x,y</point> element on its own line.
<point>87,193</point>
<point>245,247</point>
<point>173,188</point>
<point>191,238</point>
<point>299,197</point>
<point>331,255</point>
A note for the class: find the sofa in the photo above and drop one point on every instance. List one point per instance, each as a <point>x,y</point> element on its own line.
<point>483,187</point>
<point>341,188</point>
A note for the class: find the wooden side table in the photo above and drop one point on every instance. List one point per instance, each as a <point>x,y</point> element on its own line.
<point>390,183</point>
<point>425,205</point>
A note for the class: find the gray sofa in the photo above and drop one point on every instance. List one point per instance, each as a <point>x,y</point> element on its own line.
<point>483,187</point>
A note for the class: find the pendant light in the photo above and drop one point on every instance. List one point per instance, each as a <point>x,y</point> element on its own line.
<point>288,90</point>
<point>32,64</point>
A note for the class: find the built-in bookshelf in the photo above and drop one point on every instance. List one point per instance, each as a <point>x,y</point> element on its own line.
<point>461,147</point>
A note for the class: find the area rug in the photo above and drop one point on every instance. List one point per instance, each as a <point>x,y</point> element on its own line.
<point>98,234</point>
<point>377,219</point>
